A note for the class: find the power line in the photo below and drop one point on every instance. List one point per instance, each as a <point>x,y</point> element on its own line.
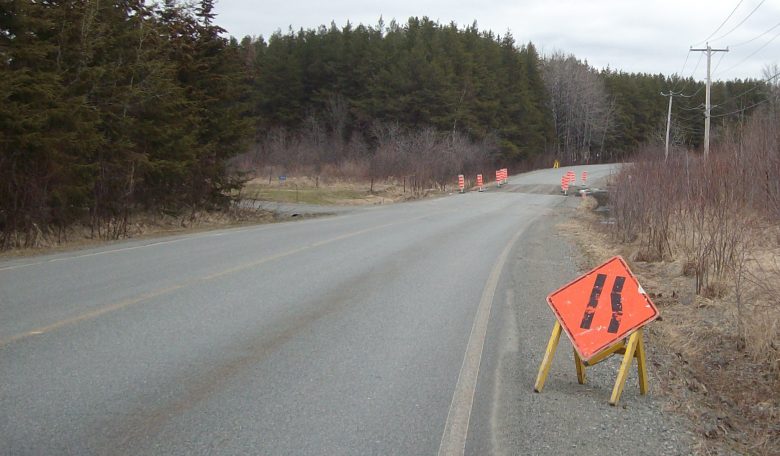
<point>741,22</point>
<point>736,96</point>
<point>701,56</point>
<point>755,37</point>
<point>696,92</point>
<point>771,77</point>
<point>696,108</point>
<point>757,86</point>
<point>752,54</point>
<point>715,70</point>
<point>683,69</point>
<point>743,109</point>
<point>721,24</point>
<point>671,96</point>
<point>700,106</point>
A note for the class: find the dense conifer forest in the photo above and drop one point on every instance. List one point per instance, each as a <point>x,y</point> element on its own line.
<point>112,108</point>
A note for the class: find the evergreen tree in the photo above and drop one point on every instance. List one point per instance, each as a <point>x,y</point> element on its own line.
<point>42,129</point>
<point>112,107</point>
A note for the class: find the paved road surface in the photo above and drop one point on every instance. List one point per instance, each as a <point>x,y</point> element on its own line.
<point>408,329</point>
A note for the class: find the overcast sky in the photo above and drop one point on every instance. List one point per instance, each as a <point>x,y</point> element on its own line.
<point>630,35</point>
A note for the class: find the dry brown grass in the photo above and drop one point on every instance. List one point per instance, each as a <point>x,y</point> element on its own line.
<point>714,358</point>
<point>326,190</point>
<point>142,226</point>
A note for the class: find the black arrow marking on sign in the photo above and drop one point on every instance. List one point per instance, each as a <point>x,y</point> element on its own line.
<point>615,297</point>
<point>617,304</point>
<point>595,293</point>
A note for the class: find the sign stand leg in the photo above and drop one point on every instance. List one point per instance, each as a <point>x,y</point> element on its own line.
<point>632,349</point>
<point>580,368</point>
<point>549,353</point>
<point>641,364</point>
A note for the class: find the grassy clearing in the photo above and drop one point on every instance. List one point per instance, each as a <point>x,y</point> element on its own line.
<point>288,194</point>
<point>326,192</point>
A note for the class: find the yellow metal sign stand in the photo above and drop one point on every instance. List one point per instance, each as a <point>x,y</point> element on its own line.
<point>556,164</point>
<point>633,347</point>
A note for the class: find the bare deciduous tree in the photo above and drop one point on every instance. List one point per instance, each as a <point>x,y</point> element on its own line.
<point>582,111</point>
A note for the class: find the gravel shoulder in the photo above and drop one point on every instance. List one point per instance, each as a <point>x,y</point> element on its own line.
<point>566,418</point>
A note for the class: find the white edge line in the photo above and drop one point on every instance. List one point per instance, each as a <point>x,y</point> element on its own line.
<point>453,439</point>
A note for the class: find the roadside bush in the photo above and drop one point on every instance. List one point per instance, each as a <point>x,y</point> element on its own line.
<point>719,216</point>
<point>424,158</point>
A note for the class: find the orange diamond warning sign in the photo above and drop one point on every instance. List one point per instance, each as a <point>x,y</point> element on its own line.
<point>602,307</point>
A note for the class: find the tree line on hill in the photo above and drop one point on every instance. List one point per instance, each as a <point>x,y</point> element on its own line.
<point>110,108</point>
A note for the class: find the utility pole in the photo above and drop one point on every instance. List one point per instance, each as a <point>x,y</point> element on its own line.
<point>707,105</point>
<point>671,95</point>
<point>668,122</point>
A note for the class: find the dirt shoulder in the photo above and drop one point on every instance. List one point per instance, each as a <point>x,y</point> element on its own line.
<point>145,226</point>
<point>730,399</point>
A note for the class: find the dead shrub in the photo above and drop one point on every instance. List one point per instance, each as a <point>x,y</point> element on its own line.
<point>715,290</point>
<point>720,218</point>
<point>646,255</point>
<point>424,158</point>
<point>689,267</point>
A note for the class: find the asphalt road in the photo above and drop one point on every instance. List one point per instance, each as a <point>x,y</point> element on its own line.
<point>408,329</point>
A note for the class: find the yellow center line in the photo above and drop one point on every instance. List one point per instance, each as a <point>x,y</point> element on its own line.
<point>162,291</point>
